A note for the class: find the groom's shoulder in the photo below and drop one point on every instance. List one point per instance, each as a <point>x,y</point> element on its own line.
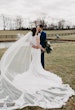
<point>43,32</point>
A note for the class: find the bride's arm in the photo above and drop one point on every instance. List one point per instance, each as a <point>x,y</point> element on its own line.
<point>34,46</point>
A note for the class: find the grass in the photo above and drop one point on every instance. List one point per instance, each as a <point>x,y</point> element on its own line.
<point>12,32</point>
<point>9,34</point>
<point>61,62</point>
<point>2,51</point>
<point>66,37</point>
<point>71,37</point>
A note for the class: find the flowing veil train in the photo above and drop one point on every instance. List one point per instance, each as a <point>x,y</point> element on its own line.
<point>23,81</point>
<point>15,61</point>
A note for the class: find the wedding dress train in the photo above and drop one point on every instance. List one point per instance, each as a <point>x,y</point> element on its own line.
<point>25,83</point>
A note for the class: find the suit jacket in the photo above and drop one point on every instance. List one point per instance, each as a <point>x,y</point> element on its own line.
<point>42,39</point>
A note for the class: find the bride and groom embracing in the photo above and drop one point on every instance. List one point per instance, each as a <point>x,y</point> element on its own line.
<point>24,81</point>
<point>42,38</point>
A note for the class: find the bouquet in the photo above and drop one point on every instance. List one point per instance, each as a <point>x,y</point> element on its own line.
<point>48,47</point>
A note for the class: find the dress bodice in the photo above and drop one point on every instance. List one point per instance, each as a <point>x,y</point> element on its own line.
<point>33,40</point>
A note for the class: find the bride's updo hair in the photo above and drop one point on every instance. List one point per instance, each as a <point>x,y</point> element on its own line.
<point>33,31</point>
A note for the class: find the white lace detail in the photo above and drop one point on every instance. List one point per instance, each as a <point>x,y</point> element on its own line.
<point>33,40</point>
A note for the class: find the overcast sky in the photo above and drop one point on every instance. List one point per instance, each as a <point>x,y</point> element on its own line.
<point>33,8</point>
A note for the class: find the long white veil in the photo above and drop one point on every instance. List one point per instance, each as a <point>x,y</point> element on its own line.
<point>16,60</point>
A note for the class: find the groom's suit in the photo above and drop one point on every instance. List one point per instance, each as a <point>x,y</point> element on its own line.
<point>42,42</point>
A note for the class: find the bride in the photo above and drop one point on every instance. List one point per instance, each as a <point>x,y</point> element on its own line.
<point>24,82</point>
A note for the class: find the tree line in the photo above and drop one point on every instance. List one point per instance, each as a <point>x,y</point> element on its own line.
<point>19,23</point>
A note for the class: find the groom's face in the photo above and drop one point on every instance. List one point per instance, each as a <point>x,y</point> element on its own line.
<point>39,29</point>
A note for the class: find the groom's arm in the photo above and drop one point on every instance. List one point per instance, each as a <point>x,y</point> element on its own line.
<point>43,43</point>
<point>44,39</point>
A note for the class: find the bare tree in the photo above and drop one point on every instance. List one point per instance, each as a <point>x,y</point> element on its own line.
<point>73,26</point>
<point>43,23</point>
<point>8,23</point>
<point>61,24</point>
<point>19,22</point>
<point>68,27</point>
<point>40,21</point>
<point>4,22</point>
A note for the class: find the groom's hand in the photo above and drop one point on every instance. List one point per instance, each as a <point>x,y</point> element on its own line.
<point>44,49</point>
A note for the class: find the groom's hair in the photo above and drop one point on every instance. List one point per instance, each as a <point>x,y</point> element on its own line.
<point>41,26</point>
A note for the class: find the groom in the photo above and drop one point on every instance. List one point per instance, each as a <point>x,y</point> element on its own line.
<point>42,42</point>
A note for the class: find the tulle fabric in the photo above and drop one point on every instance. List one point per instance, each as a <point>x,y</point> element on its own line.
<point>25,83</point>
<point>16,60</point>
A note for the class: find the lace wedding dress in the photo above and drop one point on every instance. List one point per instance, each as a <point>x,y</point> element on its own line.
<point>25,83</point>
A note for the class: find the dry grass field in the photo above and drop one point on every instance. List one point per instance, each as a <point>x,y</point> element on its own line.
<point>61,62</point>
<point>8,32</point>
<point>12,35</point>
